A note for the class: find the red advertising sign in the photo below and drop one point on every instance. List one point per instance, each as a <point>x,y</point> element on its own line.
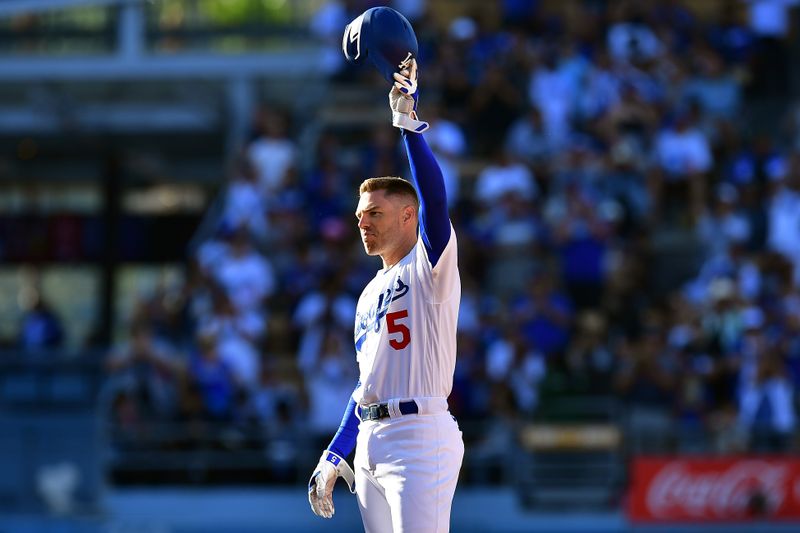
<point>714,489</point>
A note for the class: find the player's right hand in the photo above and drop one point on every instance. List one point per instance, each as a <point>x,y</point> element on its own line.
<point>320,486</point>
<point>320,489</point>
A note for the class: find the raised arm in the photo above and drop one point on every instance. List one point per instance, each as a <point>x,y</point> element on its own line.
<point>434,220</point>
<point>425,172</point>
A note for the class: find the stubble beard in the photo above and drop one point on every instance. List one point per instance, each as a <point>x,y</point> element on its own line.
<point>370,246</point>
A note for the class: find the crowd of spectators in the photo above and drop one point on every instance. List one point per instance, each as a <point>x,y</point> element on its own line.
<point>627,229</point>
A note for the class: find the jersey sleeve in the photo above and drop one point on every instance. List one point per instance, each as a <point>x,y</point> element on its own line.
<point>426,175</point>
<point>440,282</point>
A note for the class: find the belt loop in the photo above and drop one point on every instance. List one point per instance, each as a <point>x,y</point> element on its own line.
<point>394,408</point>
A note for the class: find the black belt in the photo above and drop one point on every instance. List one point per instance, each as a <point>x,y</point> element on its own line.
<point>376,411</point>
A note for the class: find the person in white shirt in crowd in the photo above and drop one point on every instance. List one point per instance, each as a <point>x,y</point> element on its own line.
<point>237,334</point>
<point>713,87</point>
<point>724,224</point>
<point>783,217</point>
<point>683,157</point>
<point>505,175</point>
<point>766,396</point>
<point>245,274</point>
<point>273,153</point>
<point>210,382</point>
<point>553,92</point>
<point>328,306</point>
<point>733,271</point>
<point>631,40</point>
<point>213,251</point>
<point>244,205</point>
<point>511,360</point>
<point>770,18</point>
<point>527,140</point>
<point>682,150</point>
<point>601,87</point>
<point>513,233</point>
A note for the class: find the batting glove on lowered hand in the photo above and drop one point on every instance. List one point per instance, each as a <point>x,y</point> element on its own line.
<point>320,486</point>
<point>403,100</point>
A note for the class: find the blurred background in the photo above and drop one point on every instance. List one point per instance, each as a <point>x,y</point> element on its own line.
<point>179,262</point>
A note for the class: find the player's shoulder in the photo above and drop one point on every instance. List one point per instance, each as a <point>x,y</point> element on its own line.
<point>448,259</point>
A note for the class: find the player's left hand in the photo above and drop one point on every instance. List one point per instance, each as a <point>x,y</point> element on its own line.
<point>320,486</point>
<point>403,100</point>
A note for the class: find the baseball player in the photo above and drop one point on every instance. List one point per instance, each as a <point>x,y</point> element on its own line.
<point>409,448</point>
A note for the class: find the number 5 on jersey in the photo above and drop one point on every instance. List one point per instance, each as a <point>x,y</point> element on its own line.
<point>393,325</point>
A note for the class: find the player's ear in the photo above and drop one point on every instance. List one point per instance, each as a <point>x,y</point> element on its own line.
<point>408,213</point>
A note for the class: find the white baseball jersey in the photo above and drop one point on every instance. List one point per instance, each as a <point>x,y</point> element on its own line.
<point>405,330</point>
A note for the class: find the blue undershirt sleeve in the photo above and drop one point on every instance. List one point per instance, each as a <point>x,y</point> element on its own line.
<point>434,220</point>
<point>345,439</point>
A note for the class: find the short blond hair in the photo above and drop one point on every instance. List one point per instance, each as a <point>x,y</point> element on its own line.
<point>393,185</point>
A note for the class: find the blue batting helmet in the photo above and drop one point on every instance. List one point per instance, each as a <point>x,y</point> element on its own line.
<point>384,36</point>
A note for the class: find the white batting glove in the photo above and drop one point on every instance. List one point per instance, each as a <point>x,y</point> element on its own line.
<point>320,486</point>
<point>403,100</point>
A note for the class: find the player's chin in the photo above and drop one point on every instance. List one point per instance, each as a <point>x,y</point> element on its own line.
<point>370,246</point>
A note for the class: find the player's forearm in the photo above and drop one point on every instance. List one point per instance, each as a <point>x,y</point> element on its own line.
<point>429,182</point>
<point>345,439</point>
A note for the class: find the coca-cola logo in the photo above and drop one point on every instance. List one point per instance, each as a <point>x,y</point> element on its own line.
<point>726,493</point>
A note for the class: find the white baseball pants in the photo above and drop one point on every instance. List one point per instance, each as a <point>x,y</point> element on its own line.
<point>406,469</point>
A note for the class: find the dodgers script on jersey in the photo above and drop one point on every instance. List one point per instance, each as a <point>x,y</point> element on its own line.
<point>405,328</point>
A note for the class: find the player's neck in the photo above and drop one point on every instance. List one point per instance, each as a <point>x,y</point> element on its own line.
<point>398,252</point>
